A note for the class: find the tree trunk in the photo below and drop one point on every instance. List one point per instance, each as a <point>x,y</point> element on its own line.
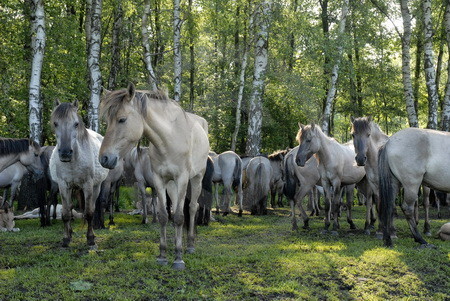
<point>176,50</point>
<point>334,72</point>
<point>446,102</point>
<point>191,58</point>
<point>430,72</point>
<point>262,14</point>
<point>326,64</point>
<point>95,82</point>
<point>115,44</point>
<point>406,65</point>
<point>146,45</point>
<point>38,47</point>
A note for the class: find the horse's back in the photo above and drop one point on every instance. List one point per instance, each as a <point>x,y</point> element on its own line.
<point>199,148</point>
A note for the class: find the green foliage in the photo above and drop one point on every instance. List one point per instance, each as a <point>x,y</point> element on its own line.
<point>236,258</point>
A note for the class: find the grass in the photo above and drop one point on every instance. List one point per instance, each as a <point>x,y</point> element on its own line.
<point>236,258</point>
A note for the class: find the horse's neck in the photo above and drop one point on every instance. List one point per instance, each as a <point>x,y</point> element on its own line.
<point>8,160</point>
<point>377,139</point>
<point>324,152</point>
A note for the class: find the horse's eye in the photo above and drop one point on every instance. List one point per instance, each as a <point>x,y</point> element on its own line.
<point>76,124</point>
<point>36,155</point>
<point>122,120</point>
<point>353,135</point>
<point>368,135</point>
<point>55,124</point>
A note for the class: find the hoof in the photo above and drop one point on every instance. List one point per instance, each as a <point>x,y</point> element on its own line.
<point>428,233</point>
<point>66,242</point>
<point>352,227</point>
<point>162,261</point>
<point>93,247</point>
<point>179,265</point>
<point>111,224</point>
<point>190,250</point>
<point>427,246</point>
<point>379,235</point>
<point>394,236</point>
<point>324,232</point>
<point>240,213</point>
<point>334,233</point>
<point>367,232</point>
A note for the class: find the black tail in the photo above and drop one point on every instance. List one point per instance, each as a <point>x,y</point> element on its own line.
<point>237,173</point>
<point>291,180</point>
<point>387,197</point>
<point>205,199</point>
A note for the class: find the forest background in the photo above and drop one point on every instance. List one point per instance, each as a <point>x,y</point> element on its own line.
<point>253,69</point>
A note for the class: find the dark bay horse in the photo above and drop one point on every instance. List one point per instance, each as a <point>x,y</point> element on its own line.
<point>178,151</point>
<point>410,158</point>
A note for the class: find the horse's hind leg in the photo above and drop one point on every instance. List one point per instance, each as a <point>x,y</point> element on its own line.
<point>410,198</point>
<point>196,189</point>
<point>66,195</point>
<point>350,198</point>
<point>426,206</point>
<point>90,195</point>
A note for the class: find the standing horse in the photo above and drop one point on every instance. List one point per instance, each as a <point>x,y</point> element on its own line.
<point>367,139</point>
<point>277,183</point>
<point>11,177</point>
<point>299,182</point>
<point>45,204</point>
<point>178,151</point>
<point>227,171</point>
<point>24,150</point>
<point>410,158</point>
<point>259,175</point>
<point>336,168</point>
<point>74,164</point>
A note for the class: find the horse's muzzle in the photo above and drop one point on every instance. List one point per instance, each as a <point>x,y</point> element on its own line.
<point>108,161</point>
<point>300,162</point>
<point>361,160</point>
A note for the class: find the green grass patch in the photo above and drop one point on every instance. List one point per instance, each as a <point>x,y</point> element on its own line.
<point>236,258</point>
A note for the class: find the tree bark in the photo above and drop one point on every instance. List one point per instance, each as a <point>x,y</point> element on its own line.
<point>38,47</point>
<point>263,13</point>
<point>95,82</point>
<point>177,50</point>
<point>430,72</point>
<point>326,64</point>
<point>446,102</point>
<point>191,58</point>
<point>115,44</point>
<point>334,72</point>
<point>406,65</point>
<point>152,81</point>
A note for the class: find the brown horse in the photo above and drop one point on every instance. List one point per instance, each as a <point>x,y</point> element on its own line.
<point>178,151</point>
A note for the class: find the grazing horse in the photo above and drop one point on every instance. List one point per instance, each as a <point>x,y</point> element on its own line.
<point>368,139</point>
<point>227,171</point>
<point>259,176</point>
<point>336,167</point>
<point>300,180</point>
<point>410,158</point>
<point>178,151</point>
<point>277,183</point>
<point>74,164</point>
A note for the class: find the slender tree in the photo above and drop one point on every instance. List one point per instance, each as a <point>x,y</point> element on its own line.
<point>38,47</point>
<point>177,50</point>
<point>335,70</point>
<point>446,102</point>
<point>430,72</point>
<point>115,46</point>
<point>262,17</point>
<point>152,81</point>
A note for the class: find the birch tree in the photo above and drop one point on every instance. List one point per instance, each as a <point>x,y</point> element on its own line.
<point>262,19</point>
<point>95,77</point>
<point>430,72</point>
<point>115,42</point>
<point>335,71</point>
<point>406,65</point>
<point>446,102</point>
<point>38,47</point>
<point>177,50</point>
<point>146,45</point>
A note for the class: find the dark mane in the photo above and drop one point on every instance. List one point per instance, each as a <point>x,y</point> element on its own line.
<point>361,124</point>
<point>15,146</point>
<point>278,155</point>
<point>113,101</point>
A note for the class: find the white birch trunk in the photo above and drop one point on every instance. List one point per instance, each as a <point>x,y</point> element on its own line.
<point>335,71</point>
<point>176,50</point>
<point>406,65</point>
<point>146,44</point>
<point>95,77</point>
<point>446,102</point>
<point>253,145</point>
<point>430,72</point>
<point>38,47</point>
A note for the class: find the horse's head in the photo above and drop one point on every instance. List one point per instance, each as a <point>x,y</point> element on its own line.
<point>361,130</point>
<point>309,143</point>
<point>125,125</point>
<point>68,127</point>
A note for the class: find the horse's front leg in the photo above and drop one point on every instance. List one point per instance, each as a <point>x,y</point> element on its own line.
<point>335,206</point>
<point>196,190</point>
<point>90,195</point>
<point>66,214</point>
<point>328,199</point>
<point>163,218</point>
<point>350,198</point>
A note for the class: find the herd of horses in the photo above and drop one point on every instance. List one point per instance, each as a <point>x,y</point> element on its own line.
<point>180,168</point>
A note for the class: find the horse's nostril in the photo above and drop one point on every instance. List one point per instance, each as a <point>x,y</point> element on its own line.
<point>103,160</point>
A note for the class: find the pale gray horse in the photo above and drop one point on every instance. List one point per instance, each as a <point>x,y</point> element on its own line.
<point>336,168</point>
<point>24,150</point>
<point>74,164</point>
<point>139,160</point>
<point>410,158</point>
<point>259,174</point>
<point>11,177</point>
<point>277,183</point>
<point>228,172</point>
<point>300,181</point>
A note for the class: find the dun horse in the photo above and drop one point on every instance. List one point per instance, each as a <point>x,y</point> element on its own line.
<point>410,158</point>
<point>336,168</point>
<point>74,164</point>
<point>178,151</point>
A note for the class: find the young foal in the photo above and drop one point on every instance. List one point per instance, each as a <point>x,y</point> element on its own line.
<point>74,164</point>
<point>178,151</point>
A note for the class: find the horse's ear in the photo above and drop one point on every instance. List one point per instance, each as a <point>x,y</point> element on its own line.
<point>105,91</point>
<point>301,126</point>
<point>313,125</point>
<point>369,118</point>
<point>57,102</point>
<point>75,103</point>
<point>352,119</point>
<point>131,91</point>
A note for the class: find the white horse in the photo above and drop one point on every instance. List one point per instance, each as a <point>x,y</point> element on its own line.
<point>74,164</point>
